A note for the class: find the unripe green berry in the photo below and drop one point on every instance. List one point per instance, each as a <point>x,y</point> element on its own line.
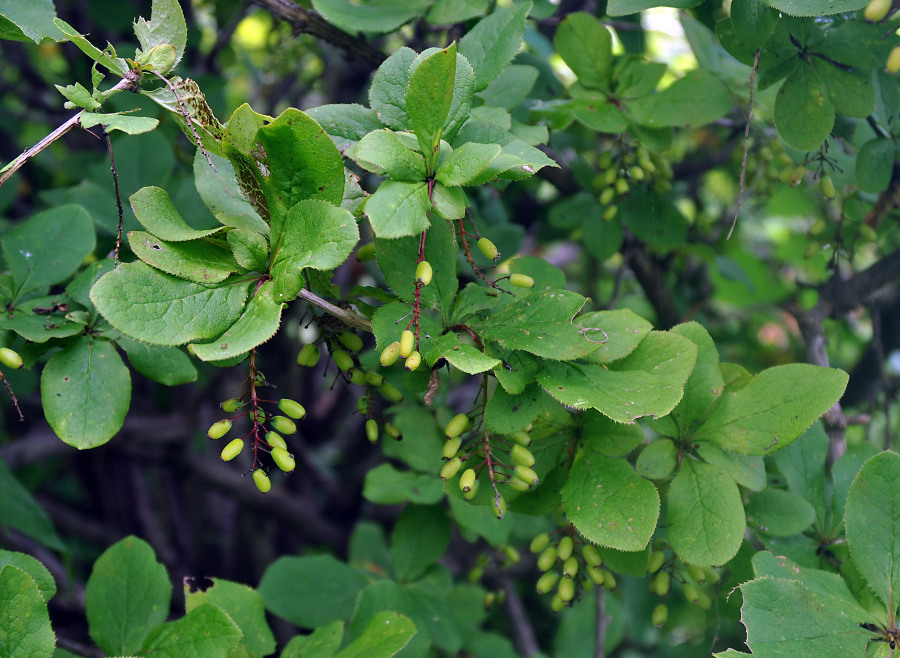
<point>308,355</point>
<point>547,582</point>
<point>451,447</point>
<point>390,354</point>
<point>660,615</point>
<point>275,440</point>
<point>606,196</point>
<point>456,426</point>
<point>661,583</point>
<point>696,574</point>
<point>591,555</point>
<point>622,186</point>
<point>489,249</point>
<point>407,343</point>
<point>372,430</point>
<point>366,252</point>
<point>703,600</point>
<point>232,450</point>
<point>476,574</point>
<point>609,579</point>
<point>547,558</point>
<point>566,589</point>
<point>498,505</point>
<point>797,174</point>
<point>292,408</point>
<point>564,548</point>
<point>539,543</point>
<point>657,558</point>
<point>893,60</point>
<point>691,593</point>
<point>518,485</point>
<point>393,431</point>
<point>636,173</point>
<point>712,576</point>
<point>10,358</point>
<point>451,468</point>
<point>557,604</point>
<point>596,576</point>
<point>413,361</point>
<point>522,456</point>
<point>362,405</point>
<point>512,555</point>
<point>467,480</point>
<point>283,459</point>
<point>261,480</point>
<point>610,176</point>
<point>471,493</point>
<point>374,379</point>
<point>342,360</point>
<point>826,186</point>
<point>231,405</point>
<point>526,475</point>
<point>391,392</point>
<point>357,377</point>
<point>350,340</point>
<point>521,281</point>
<point>283,425</point>
<point>610,212</point>
<point>219,429</point>
<point>424,273</point>
<point>877,9</point>
<point>570,567</point>
<point>522,438</point>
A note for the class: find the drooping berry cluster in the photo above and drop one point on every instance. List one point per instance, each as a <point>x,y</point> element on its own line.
<point>697,583</point>
<point>568,564</point>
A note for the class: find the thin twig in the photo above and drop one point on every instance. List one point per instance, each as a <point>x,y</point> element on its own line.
<point>12,396</point>
<point>187,117</point>
<point>115,175</point>
<point>740,199</point>
<point>348,317</point>
<point>128,82</point>
<point>522,631</point>
<point>602,622</point>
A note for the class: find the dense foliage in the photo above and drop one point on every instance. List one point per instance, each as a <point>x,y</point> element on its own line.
<point>446,327</point>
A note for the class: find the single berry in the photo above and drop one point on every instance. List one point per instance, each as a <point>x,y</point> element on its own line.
<point>566,589</point>
<point>660,615</point>
<point>261,480</point>
<point>292,408</point>
<point>275,440</point>
<point>231,405</point>
<point>393,431</point>
<point>390,354</point>
<point>696,574</point>
<point>570,567</point>
<point>366,252</point>
<point>467,480</point>
<point>451,447</point>
<point>526,475</point>
<point>539,543</point>
<point>877,9</point>
<point>357,377</point>
<point>372,430</point>
<point>522,456</point>
<point>413,361</point>
<point>606,196</point>
<point>893,60</point>
<point>471,493</point>
<point>407,343</point>
<point>657,558</point>
<point>219,429</point>
<point>350,340</point>
<point>826,186</point>
<point>424,273</point>
<point>521,281</point>
<point>374,379</point>
<point>591,555</point>
<point>661,583</point>
<point>547,558</point>
<point>283,425</point>
<point>564,548</point>
<point>308,355</point>
<point>232,450</point>
<point>392,393</point>
<point>498,505</point>
<point>522,438</point>
<point>10,358</point>
<point>547,582</point>
<point>283,459</point>
<point>489,249</point>
<point>456,426</point>
<point>342,360</point>
<point>451,468</point>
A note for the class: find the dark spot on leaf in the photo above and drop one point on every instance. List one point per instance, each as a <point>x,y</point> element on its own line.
<point>66,378</point>
<point>198,584</point>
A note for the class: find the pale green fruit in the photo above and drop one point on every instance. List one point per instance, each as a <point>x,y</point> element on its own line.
<point>489,249</point>
<point>372,430</point>
<point>292,408</point>
<point>424,272</point>
<point>232,450</point>
<point>283,425</point>
<point>521,281</point>
<point>547,582</point>
<point>539,543</point>
<point>390,354</point>
<point>261,480</point>
<point>467,480</point>
<point>413,361</point>
<point>407,343</point>
<point>283,459</point>
<point>231,405</point>
<point>456,426</point>
<point>451,468</point>
<point>564,548</point>
<point>350,340</point>
<point>10,358</point>
<point>275,440</point>
<point>219,429</point>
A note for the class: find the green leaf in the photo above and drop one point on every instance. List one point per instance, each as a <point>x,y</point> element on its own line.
<point>39,327</point>
<point>166,26</point>
<point>48,247</point>
<point>753,21</point>
<point>466,163</point>
<point>78,96</point>
<point>420,536</point>
<point>859,44</point>
<point>385,635</point>
<point>803,466</point>
<point>204,631</point>
<point>449,202</point>
<point>385,485</point>
<point>653,218</point>
<point>626,7</point>
<point>321,643</point>
<point>803,114</point>
<point>784,618</point>
<point>299,162</point>
<point>20,511</point>
<point>843,474</point>
<point>164,310</point>
<point>874,164</point>
<point>706,384</point>
<point>130,125</point>
<point>816,7</point>
<point>242,604</point>
<point>345,123</point>
<point>658,460</point>
<point>667,355</point>
<point>447,12</point>
<point>422,441</point>
<point>257,324</point>
<point>494,41</point>
<point>127,595</point>
<point>314,234</point>
<point>311,591</point>
<point>608,438</point>
<point>677,105</point>
<point>776,407</point>
<point>873,525</point>
<point>221,192</point>
<point>387,95</point>
<point>636,78</point>
<point>196,260</point>
<point>622,331</point>
<point>23,616</point>
<point>376,16</point>
<point>38,572</point>
<point>382,153</point>
<point>585,45</point>
<point>747,471</point>
<point>849,93</point>
<point>389,320</point>
<point>20,21</point>
<point>155,210</point>
<point>506,413</point>
<point>460,355</point>
<point>779,513</point>
<point>86,392</point>
<point>511,87</point>
<point>398,209</point>
<point>428,100</point>
<point>166,365</point>
<point>610,504</point>
<point>542,324</point>
<point>705,515</point>
<point>250,249</point>
<point>116,65</point>
<point>387,595</point>
<point>599,114</point>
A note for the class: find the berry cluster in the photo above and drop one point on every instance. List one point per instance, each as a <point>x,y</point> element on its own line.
<point>696,582</point>
<point>624,167</point>
<point>407,346</point>
<point>569,565</point>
